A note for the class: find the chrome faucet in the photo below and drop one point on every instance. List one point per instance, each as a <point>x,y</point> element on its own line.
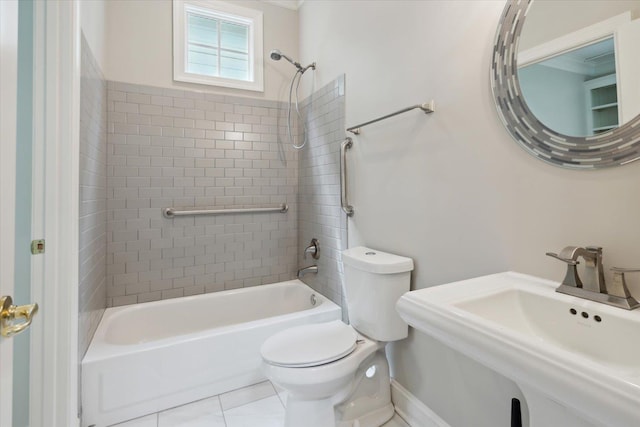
<point>592,255</point>
<point>306,270</point>
<point>594,287</point>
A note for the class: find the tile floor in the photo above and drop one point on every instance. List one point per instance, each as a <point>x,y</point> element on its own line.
<point>259,405</point>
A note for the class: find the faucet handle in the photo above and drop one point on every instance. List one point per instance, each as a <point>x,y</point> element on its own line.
<point>571,277</point>
<point>313,249</point>
<point>569,261</point>
<point>619,286</point>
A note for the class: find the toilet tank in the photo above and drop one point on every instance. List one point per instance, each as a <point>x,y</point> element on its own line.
<point>374,281</point>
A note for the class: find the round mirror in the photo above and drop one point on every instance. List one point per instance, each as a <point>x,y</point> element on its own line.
<point>566,80</point>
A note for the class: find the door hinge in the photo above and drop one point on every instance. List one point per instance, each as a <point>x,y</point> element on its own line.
<point>37,246</point>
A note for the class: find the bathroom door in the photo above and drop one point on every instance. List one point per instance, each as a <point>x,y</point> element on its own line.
<point>15,212</point>
<point>39,194</point>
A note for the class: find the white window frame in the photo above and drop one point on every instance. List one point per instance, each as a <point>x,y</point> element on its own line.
<point>218,9</point>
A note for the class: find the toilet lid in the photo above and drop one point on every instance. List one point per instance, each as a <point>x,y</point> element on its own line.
<point>310,345</point>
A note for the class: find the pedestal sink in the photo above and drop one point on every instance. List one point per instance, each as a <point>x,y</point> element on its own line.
<point>577,362</point>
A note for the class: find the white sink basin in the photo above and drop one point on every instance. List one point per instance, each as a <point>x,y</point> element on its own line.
<point>573,369</point>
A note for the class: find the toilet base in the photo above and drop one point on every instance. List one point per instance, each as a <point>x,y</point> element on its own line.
<point>321,413</point>
<point>309,413</point>
<point>364,402</point>
<point>368,404</point>
<point>374,418</point>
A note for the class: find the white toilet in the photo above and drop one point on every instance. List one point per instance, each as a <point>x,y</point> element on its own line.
<point>337,374</point>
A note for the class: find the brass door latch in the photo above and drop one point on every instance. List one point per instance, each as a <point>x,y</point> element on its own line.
<point>9,313</point>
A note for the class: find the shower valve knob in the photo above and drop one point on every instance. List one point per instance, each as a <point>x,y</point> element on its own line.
<point>313,249</point>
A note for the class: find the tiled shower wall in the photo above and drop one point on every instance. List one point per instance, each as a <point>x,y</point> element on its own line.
<point>189,149</point>
<point>93,193</point>
<point>319,190</point>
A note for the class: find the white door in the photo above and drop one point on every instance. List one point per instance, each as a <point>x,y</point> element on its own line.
<point>8,86</point>
<point>38,375</point>
<point>39,200</point>
<point>15,218</point>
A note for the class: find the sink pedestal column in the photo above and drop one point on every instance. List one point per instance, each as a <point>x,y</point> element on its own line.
<point>544,412</point>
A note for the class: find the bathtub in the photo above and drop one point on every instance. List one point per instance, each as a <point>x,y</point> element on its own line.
<point>145,358</point>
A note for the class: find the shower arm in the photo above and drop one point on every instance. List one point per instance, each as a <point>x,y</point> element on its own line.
<point>303,69</point>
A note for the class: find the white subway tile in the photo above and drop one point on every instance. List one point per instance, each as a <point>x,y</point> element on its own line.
<point>183,103</point>
<point>161,120</point>
<point>138,98</point>
<point>172,273</point>
<point>194,133</point>
<point>225,126</point>
<point>125,129</point>
<point>151,110</point>
<point>172,112</point>
<point>160,284</point>
<point>161,100</point>
<point>172,131</point>
<point>124,300</point>
<point>124,107</point>
<point>172,293</point>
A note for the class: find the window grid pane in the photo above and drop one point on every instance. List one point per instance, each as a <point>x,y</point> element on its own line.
<point>203,30</point>
<point>217,48</point>
<point>202,60</point>
<point>234,65</point>
<point>234,37</point>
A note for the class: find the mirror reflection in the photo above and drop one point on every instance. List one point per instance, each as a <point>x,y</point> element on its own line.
<point>574,93</point>
<point>574,59</point>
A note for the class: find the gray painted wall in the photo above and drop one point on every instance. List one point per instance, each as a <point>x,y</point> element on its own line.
<point>547,20</point>
<point>452,190</point>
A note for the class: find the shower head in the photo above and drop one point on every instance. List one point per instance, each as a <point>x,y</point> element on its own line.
<point>276,55</point>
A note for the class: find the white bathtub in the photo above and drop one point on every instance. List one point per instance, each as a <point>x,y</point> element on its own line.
<point>148,357</point>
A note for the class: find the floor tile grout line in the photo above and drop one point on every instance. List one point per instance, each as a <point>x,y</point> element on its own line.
<point>250,401</point>
<point>278,394</point>
<point>224,412</point>
<point>224,417</point>
<point>281,401</point>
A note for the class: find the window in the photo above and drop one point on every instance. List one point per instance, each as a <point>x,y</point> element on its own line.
<point>217,43</point>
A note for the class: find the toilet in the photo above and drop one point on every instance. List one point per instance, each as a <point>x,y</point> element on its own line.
<point>337,374</point>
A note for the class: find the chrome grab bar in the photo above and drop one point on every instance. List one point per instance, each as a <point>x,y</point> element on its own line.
<point>346,207</point>
<point>427,107</point>
<point>174,212</point>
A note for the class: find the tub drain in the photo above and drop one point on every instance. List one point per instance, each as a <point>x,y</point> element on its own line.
<point>313,299</point>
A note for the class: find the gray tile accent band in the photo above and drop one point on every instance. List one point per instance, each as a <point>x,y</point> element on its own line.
<point>93,198</point>
<point>188,149</point>
<point>181,148</point>
<point>321,216</point>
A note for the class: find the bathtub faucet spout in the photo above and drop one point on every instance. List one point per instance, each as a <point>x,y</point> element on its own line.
<point>310,269</point>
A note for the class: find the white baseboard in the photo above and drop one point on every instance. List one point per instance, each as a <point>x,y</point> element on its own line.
<point>412,410</point>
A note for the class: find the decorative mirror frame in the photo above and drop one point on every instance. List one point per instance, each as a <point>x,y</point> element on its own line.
<point>612,148</point>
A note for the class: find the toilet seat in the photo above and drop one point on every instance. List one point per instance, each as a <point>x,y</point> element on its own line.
<point>310,345</point>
